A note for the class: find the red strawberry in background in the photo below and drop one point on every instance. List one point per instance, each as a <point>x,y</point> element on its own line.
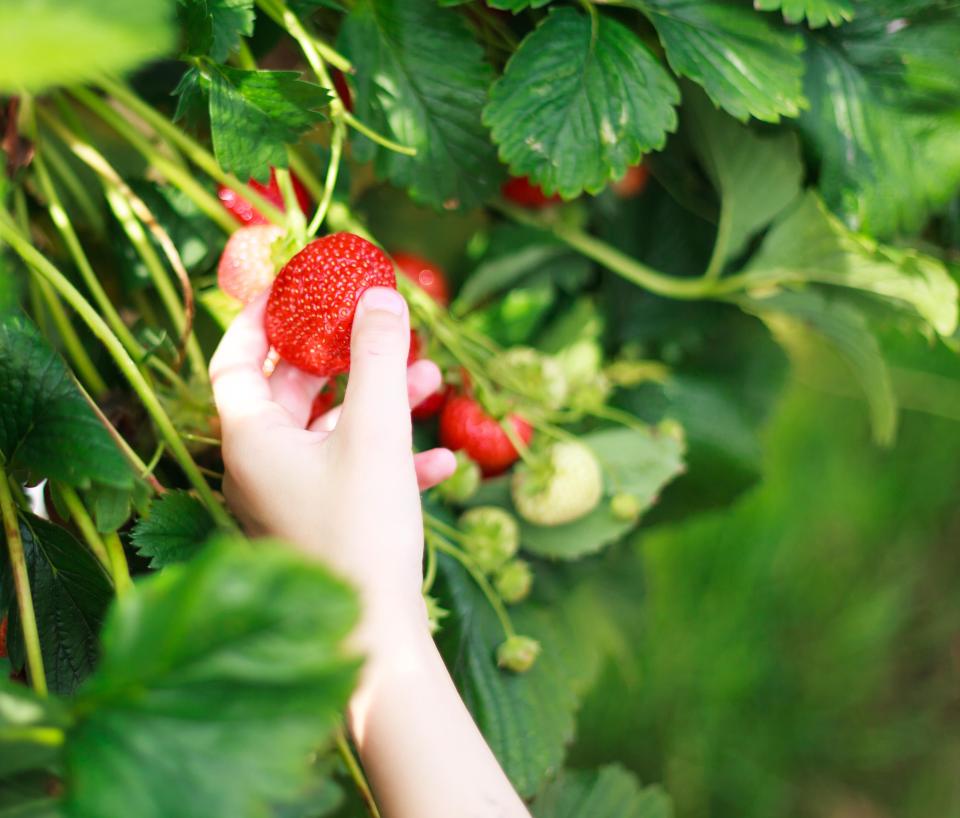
<point>342,89</point>
<point>324,401</point>
<point>3,637</point>
<point>464,425</point>
<point>430,405</point>
<point>246,213</point>
<point>431,278</point>
<point>632,183</point>
<point>520,190</point>
<point>246,266</point>
<point>311,306</point>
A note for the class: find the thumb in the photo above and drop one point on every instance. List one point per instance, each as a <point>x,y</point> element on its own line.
<point>376,403</point>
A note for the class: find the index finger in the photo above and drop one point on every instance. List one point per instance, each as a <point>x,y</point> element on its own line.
<point>240,388</point>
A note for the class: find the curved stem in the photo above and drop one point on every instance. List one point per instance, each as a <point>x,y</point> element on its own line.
<point>88,530</point>
<point>373,136</point>
<point>193,150</point>
<point>430,573</point>
<point>118,562</point>
<point>39,263</point>
<point>333,170</point>
<point>66,174</point>
<point>720,244</point>
<point>21,584</point>
<point>296,221</point>
<point>285,18</point>
<point>356,773</point>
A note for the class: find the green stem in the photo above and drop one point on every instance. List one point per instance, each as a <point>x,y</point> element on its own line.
<point>118,562</point>
<point>88,530</point>
<point>296,221</point>
<point>192,149</point>
<point>61,167</point>
<point>176,174</point>
<point>356,773</point>
<point>283,17</point>
<point>430,573</point>
<point>21,584</point>
<point>333,170</point>
<point>299,166</point>
<point>720,243</point>
<point>128,368</point>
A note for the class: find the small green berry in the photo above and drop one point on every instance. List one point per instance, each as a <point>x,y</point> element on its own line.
<point>491,536</point>
<point>513,581</point>
<point>463,483</point>
<point>625,506</point>
<point>434,612</point>
<point>518,653</point>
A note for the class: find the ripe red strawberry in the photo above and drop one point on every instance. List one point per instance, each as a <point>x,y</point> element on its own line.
<point>521,191</point>
<point>246,266</point>
<point>3,637</point>
<point>430,277</point>
<point>342,89</point>
<point>311,306</point>
<point>246,213</point>
<point>324,400</point>
<point>464,425</point>
<point>632,183</point>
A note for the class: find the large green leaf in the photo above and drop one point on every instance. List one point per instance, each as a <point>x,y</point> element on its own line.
<point>67,42</point>
<point>817,13</point>
<point>28,728</point>
<point>741,163</point>
<point>636,461</point>
<point>254,115</point>
<point>808,244</point>
<point>610,792</point>
<point>174,530</point>
<point>48,428</point>
<point>218,678</point>
<point>215,27</point>
<point>808,324</point>
<point>527,718</point>
<point>745,65</point>
<point>421,80</point>
<point>71,593</point>
<point>581,100</point>
<point>884,117</point>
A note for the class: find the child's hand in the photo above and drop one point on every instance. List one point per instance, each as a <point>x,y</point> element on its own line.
<point>346,489</point>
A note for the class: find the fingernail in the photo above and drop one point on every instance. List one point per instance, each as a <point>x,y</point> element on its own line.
<point>383,298</point>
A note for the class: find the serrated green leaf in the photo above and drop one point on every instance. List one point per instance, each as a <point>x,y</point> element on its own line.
<point>214,28</point>
<point>48,429</point>
<point>741,163</point>
<point>610,792</point>
<point>817,13</point>
<point>516,6</point>
<point>884,117</point>
<point>421,80</point>
<point>174,530</point>
<point>805,322</point>
<point>526,718</point>
<point>808,244</point>
<point>254,115</point>
<point>68,42</point>
<point>581,100</point>
<point>28,731</point>
<point>217,679</point>
<point>746,66</point>
<point>70,593</point>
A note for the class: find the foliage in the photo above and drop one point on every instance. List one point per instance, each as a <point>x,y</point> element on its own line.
<point>716,188</point>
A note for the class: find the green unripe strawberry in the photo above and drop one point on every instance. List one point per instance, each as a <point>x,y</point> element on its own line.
<point>518,653</point>
<point>463,483</point>
<point>624,506</point>
<point>513,581</point>
<point>563,486</point>
<point>537,375</point>
<point>491,536</point>
<point>434,612</point>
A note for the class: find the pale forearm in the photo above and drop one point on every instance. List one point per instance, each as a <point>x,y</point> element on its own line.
<point>419,745</point>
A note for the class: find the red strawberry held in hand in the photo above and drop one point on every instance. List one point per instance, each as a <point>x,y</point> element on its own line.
<point>245,213</point>
<point>520,190</point>
<point>311,306</point>
<point>430,277</point>
<point>464,425</point>
<point>246,266</point>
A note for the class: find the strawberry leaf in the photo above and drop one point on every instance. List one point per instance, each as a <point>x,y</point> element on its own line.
<point>817,13</point>
<point>883,121</point>
<point>21,710</point>
<point>68,42</point>
<point>48,429</point>
<point>421,80</point>
<point>70,597</point>
<point>746,66</point>
<point>174,530</point>
<point>237,657</point>
<point>254,115</point>
<point>581,100</point>
<point>214,27</point>
<point>610,792</point>
<point>809,244</point>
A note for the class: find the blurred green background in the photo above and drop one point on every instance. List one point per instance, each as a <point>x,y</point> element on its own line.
<point>798,653</point>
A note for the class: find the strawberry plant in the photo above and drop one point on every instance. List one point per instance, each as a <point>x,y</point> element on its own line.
<point>613,223</point>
